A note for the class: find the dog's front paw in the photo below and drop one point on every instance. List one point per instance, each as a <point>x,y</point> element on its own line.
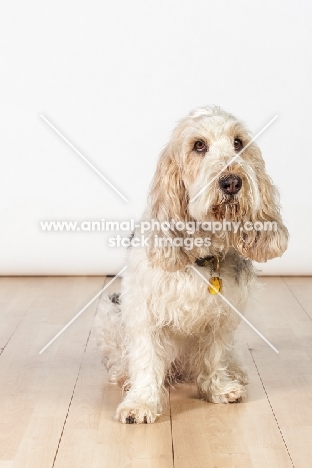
<point>135,413</point>
<point>234,396</point>
<point>221,391</point>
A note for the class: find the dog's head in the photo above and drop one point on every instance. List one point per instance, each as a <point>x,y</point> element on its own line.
<point>211,170</point>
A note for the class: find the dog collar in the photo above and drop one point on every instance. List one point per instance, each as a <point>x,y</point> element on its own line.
<point>215,282</point>
<point>204,261</point>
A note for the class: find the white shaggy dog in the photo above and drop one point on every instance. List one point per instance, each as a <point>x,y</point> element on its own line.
<point>166,325</point>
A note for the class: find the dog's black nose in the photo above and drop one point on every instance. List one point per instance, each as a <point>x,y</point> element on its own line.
<point>230,184</point>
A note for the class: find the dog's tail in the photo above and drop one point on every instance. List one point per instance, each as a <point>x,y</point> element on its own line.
<point>109,333</point>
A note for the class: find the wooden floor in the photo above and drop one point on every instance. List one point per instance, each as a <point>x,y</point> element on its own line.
<point>56,410</point>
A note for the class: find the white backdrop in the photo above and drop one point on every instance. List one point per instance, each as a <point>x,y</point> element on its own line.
<point>114,77</point>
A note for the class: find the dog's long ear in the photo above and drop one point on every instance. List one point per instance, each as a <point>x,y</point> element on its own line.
<point>270,238</point>
<point>168,201</point>
<point>168,198</point>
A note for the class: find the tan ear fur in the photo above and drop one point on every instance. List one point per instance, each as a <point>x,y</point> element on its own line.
<point>168,201</point>
<point>265,244</point>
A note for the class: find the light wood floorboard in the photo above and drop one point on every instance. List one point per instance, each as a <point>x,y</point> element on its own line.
<point>57,409</point>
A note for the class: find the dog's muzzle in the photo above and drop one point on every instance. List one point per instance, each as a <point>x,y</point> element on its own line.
<point>230,184</point>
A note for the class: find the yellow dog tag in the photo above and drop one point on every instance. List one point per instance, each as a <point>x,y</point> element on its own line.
<point>215,285</point>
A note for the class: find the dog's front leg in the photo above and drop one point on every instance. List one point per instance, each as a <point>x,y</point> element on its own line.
<point>142,402</point>
<point>220,377</point>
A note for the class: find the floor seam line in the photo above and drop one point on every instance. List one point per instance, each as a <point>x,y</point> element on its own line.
<point>295,297</point>
<point>268,399</point>
<point>74,389</point>
<point>10,337</point>
<point>68,409</point>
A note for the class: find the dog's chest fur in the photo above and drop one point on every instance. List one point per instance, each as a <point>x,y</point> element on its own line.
<point>181,301</point>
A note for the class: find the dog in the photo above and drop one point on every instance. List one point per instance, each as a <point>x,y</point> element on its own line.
<point>170,323</point>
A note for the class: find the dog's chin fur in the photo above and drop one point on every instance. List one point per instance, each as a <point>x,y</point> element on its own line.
<point>165,326</point>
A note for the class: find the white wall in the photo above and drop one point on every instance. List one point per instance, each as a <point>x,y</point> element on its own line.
<point>114,77</point>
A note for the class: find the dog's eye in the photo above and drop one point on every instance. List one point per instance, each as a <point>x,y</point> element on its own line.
<point>200,146</point>
<point>238,144</point>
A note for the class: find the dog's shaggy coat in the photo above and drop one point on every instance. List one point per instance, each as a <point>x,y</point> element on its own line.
<point>165,326</point>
